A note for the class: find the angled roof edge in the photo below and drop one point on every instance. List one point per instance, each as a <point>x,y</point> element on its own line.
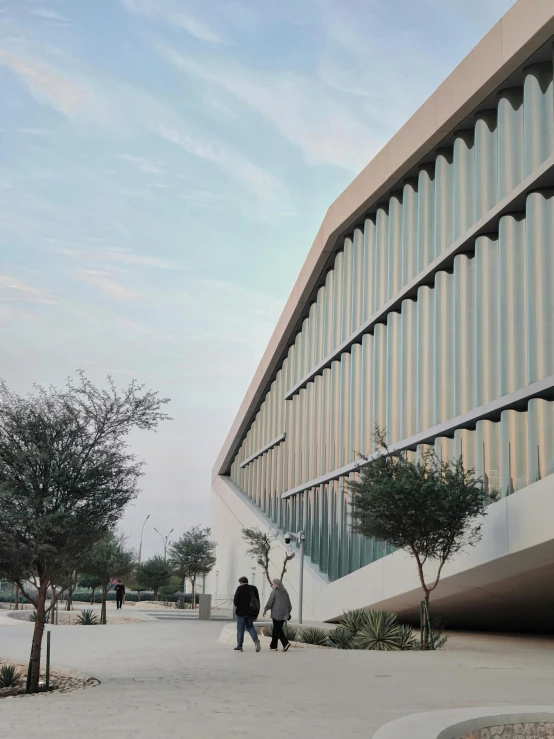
<point>520,32</point>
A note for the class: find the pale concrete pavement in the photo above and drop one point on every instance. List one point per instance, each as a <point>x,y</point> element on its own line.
<point>171,679</point>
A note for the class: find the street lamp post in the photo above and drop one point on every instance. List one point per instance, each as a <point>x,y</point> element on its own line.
<point>300,538</point>
<point>141,533</point>
<point>165,540</point>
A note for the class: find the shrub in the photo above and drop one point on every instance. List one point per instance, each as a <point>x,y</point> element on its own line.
<point>9,677</point>
<point>313,635</point>
<point>379,632</point>
<point>353,621</point>
<point>87,618</point>
<point>407,638</point>
<point>291,632</point>
<point>340,638</point>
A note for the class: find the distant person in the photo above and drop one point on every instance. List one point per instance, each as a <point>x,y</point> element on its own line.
<point>247,609</point>
<point>280,606</point>
<point>119,594</point>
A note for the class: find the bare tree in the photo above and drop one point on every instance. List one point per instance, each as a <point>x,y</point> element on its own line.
<point>66,475</point>
<point>260,545</point>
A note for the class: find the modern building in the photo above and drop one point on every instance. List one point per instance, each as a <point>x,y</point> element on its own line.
<point>426,305</point>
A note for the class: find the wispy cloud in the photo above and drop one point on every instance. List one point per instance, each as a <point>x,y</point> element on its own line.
<point>64,93</point>
<point>117,256</point>
<point>13,288</point>
<point>104,282</point>
<point>48,13</point>
<point>171,13</point>
<point>299,107</point>
<point>147,166</point>
<point>258,181</point>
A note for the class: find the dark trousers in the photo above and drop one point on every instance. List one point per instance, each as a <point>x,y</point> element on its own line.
<point>119,600</point>
<point>278,634</point>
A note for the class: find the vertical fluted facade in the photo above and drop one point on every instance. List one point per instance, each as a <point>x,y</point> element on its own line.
<point>475,326</point>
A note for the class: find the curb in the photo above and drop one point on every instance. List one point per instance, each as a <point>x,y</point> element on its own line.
<point>451,723</point>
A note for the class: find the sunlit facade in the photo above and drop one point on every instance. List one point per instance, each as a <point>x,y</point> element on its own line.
<point>431,314</point>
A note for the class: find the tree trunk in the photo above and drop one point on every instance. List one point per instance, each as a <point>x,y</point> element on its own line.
<point>53,604</point>
<point>37,637</point>
<point>16,606</point>
<point>426,622</point>
<point>92,601</point>
<point>155,593</point>
<point>193,584</point>
<point>72,586</point>
<point>103,619</point>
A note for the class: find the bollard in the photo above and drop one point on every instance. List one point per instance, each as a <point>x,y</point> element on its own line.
<point>47,660</point>
<point>205,607</point>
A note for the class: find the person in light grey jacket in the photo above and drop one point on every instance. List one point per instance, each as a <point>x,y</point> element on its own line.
<point>280,606</point>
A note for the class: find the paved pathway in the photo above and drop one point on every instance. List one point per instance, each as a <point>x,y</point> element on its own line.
<point>172,679</point>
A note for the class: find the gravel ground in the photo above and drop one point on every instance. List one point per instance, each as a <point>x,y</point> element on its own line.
<point>71,618</point>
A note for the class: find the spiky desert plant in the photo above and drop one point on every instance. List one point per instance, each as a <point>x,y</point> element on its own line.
<point>87,618</point>
<point>380,632</point>
<point>353,621</point>
<point>340,638</point>
<point>291,632</point>
<point>9,676</point>
<point>407,637</point>
<point>313,635</point>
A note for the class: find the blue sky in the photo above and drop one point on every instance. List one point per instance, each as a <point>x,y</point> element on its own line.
<point>164,167</point>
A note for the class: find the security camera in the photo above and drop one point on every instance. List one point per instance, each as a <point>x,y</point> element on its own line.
<point>288,537</point>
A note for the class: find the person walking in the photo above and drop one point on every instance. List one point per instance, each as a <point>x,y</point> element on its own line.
<point>247,610</point>
<point>280,606</point>
<point>119,594</point>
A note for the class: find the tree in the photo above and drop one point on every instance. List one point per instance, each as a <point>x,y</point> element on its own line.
<point>260,545</point>
<point>66,475</point>
<point>428,507</point>
<point>174,585</point>
<point>193,556</point>
<point>90,581</point>
<point>153,574</point>
<point>108,559</point>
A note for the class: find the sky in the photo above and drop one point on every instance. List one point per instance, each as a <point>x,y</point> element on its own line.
<point>164,168</point>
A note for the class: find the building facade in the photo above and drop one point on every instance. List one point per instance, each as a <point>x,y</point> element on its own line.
<point>426,306</point>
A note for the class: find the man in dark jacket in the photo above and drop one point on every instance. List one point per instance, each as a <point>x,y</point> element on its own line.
<point>247,609</point>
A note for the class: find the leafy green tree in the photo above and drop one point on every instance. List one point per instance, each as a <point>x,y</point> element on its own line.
<point>193,555</point>
<point>108,559</point>
<point>66,475</point>
<point>153,574</point>
<point>260,545</point>
<point>174,585</point>
<point>92,582</point>
<point>427,507</point>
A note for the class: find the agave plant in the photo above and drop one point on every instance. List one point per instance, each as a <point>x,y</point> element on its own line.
<point>406,637</point>
<point>9,677</point>
<point>291,632</point>
<point>313,635</point>
<point>340,638</point>
<point>33,616</point>
<point>379,632</point>
<point>353,621</point>
<point>87,618</point>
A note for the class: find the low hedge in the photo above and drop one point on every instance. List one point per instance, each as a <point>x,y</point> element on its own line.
<point>83,596</point>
